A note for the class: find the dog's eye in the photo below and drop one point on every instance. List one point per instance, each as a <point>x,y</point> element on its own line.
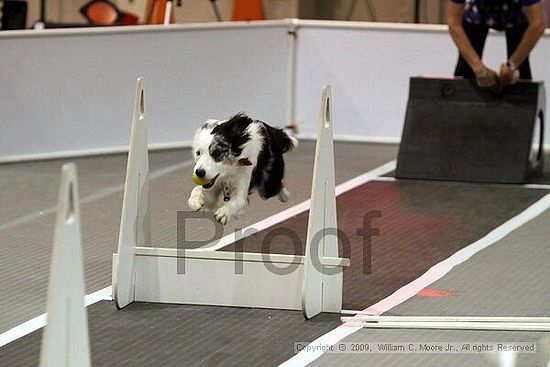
<point>198,153</point>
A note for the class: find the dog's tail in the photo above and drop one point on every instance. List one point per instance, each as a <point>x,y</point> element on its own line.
<point>290,142</point>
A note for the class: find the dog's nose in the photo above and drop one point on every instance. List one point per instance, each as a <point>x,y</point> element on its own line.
<point>200,173</point>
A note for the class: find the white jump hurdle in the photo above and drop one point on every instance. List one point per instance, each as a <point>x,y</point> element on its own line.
<point>65,341</point>
<point>506,323</point>
<point>148,274</point>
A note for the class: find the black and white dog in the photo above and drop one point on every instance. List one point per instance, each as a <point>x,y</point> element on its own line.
<point>234,158</point>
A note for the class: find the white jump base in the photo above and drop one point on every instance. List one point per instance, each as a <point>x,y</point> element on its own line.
<point>147,274</point>
<point>210,278</point>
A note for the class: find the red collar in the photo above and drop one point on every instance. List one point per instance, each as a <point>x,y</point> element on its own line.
<point>245,162</point>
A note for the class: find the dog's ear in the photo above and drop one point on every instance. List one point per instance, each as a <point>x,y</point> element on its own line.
<point>245,162</point>
<point>234,132</point>
<point>209,124</point>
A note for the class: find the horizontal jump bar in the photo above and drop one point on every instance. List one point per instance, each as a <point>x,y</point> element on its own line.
<point>506,326</point>
<point>426,319</point>
<point>235,256</point>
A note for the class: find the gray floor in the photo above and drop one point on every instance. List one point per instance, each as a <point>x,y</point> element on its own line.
<point>28,196</point>
<point>417,337</point>
<point>145,334</point>
<point>511,277</point>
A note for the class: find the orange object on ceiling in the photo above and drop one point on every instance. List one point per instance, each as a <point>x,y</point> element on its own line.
<point>154,12</point>
<point>100,13</point>
<point>247,10</point>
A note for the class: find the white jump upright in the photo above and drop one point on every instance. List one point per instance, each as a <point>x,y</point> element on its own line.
<point>135,224</point>
<point>65,341</point>
<point>278,281</point>
<point>322,291</point>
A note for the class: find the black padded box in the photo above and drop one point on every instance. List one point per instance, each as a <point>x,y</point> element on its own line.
<point>458,132</point>
<point>14,14</point>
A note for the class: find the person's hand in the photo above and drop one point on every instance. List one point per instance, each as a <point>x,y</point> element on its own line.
<point>508,76</point>
<point>486,78</point>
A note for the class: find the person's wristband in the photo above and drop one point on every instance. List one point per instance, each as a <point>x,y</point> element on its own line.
<point>513,67</point>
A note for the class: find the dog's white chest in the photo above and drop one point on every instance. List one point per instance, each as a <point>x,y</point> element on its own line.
<point>226,191</point>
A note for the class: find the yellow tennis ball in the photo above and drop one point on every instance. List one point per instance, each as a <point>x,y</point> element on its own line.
<point>198,180</point>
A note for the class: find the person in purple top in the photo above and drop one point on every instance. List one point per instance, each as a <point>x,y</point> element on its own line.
<point>469,22</point>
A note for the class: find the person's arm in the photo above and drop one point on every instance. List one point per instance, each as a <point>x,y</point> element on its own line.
<point>485,77</point>
<point>535,29</point>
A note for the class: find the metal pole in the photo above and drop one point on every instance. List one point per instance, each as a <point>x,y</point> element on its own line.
<point>417,11</point>
<point>442,5</point>
<point>350,10</point>
<point>370,9</point>
<point>291,74</point>
<point>216,11</point>
<point>168,12</point>
<point>42,11</point>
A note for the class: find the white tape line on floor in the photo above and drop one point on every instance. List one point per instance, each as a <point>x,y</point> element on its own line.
<point>300,208</point>
<point>435,273</point>
<point>38,322</point>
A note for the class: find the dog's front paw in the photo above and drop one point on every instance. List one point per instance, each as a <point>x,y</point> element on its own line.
<point>195,203</point>
<point>222,215</point>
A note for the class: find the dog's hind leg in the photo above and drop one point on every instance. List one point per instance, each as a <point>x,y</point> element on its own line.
<point>283,195</point>
<point>272,184</point>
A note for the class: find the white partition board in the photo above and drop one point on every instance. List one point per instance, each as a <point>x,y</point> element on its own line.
<point>202,71</point>
<point>66,91</point>
<point>369,66</point>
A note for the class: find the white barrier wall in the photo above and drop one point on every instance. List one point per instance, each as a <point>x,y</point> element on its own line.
<point>68,92</point>
<point>72,90</point>
<point>369,65</point>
